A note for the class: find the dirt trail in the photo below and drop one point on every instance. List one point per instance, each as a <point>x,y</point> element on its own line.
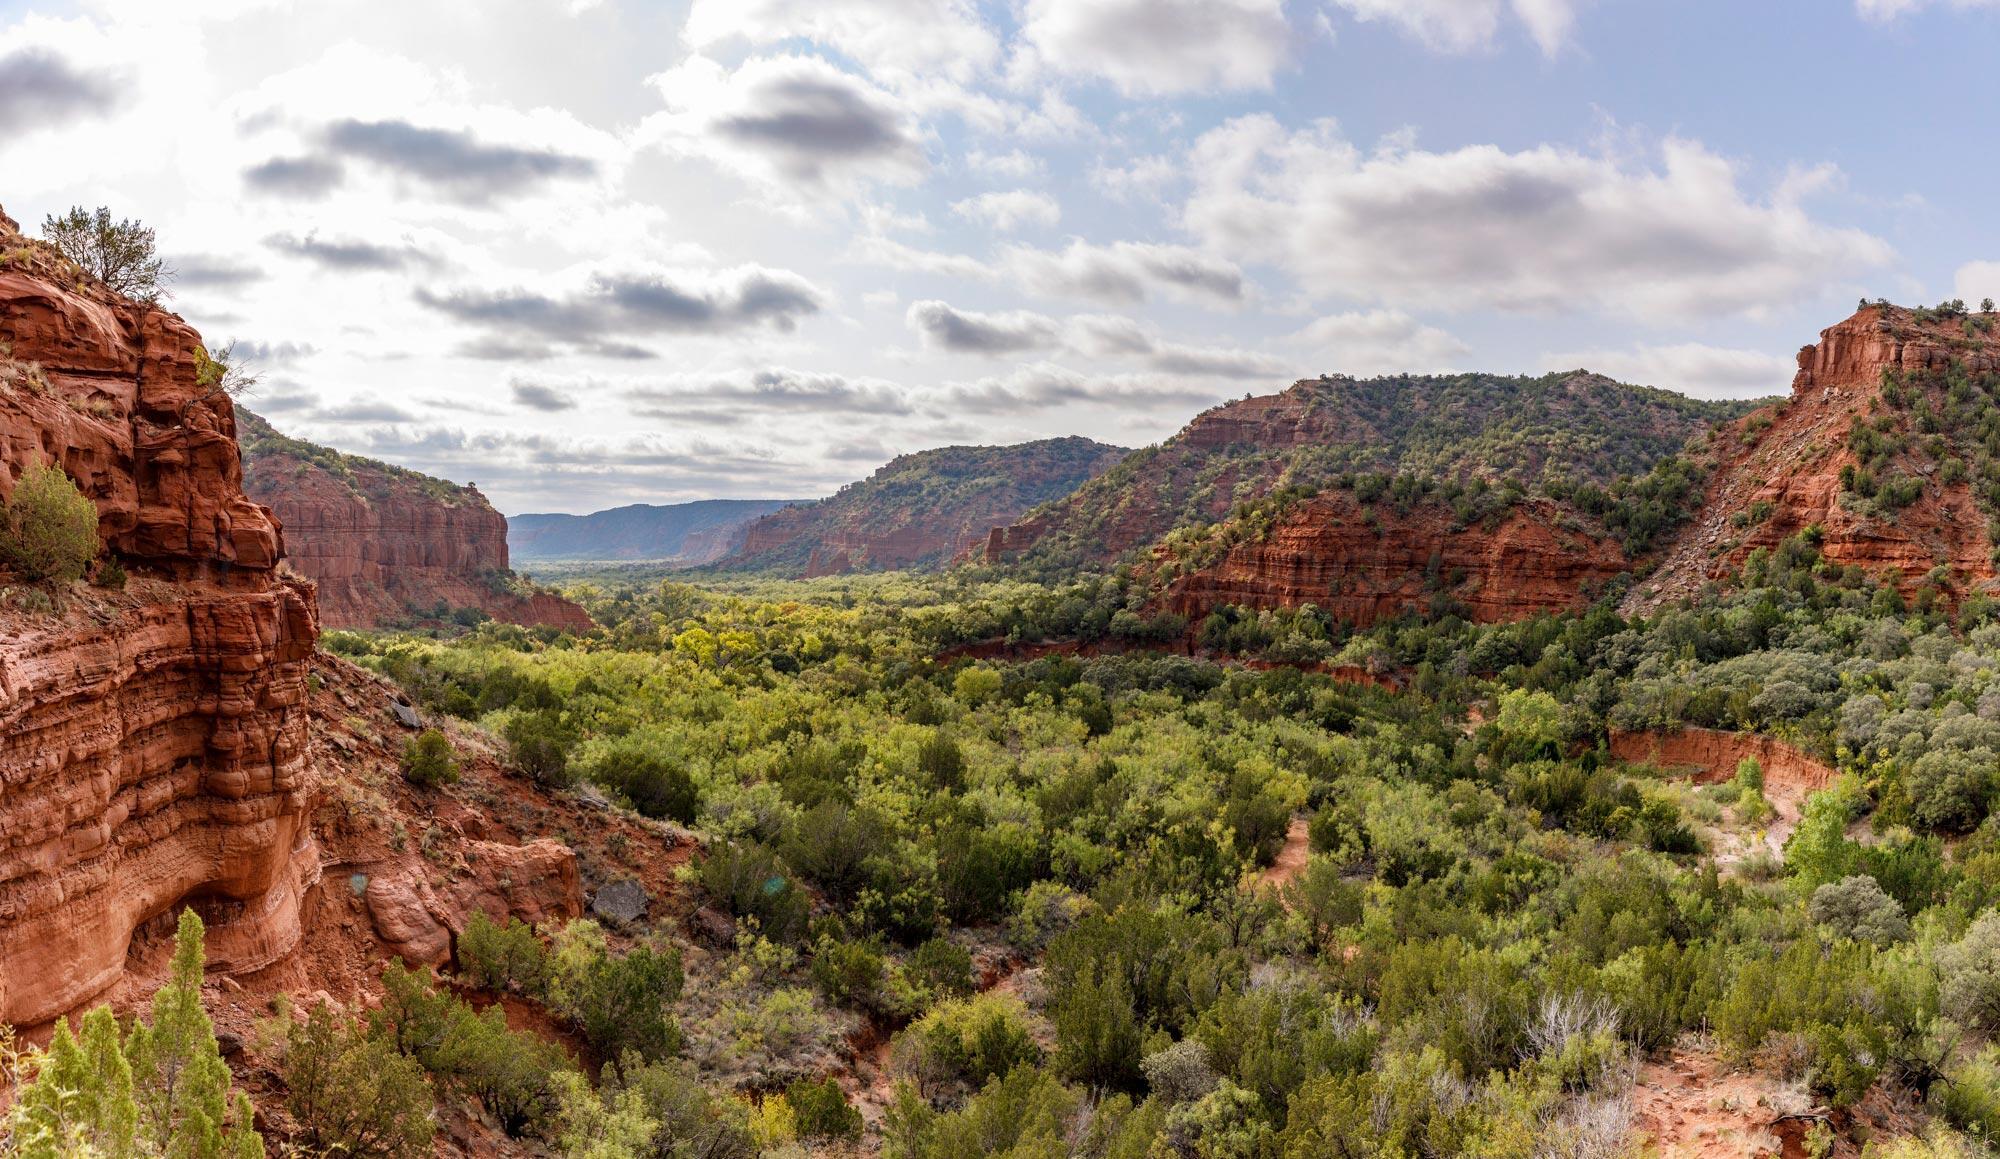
<point>1291,860</point>
<point>1688,1107</point>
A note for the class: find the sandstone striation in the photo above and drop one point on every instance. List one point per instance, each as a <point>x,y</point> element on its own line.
<point>1361,565</point>
<point>388,545</point>
<point>1715,753</point>
<point>152,741</point>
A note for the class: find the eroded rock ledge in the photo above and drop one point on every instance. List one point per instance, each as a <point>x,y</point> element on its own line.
<point>152,741</point>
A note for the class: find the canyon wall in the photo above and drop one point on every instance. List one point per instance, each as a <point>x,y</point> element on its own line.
<point>385,544</point>
<point>152,739</point>
<point>1363,564</point>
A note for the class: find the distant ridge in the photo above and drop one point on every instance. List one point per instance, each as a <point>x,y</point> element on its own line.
<point>688,533</point>
<point>920,510</point>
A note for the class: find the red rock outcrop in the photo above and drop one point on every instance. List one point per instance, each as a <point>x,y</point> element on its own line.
<point>1361,564</point>
<point>152,741</point>
<point>1779,470</point>
<point>1715,753</point>
<point>386,544</point>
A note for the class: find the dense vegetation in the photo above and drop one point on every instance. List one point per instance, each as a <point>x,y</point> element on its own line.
<point>1497,924</point>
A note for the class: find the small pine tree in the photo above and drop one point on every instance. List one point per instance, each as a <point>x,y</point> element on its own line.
<point>118,253</point>
<point>185,1111</point>
<point>81,1100</point>
<point>163,1091</point>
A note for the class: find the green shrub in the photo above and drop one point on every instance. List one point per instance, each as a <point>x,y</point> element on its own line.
<point>353,1095</point>
<point>1857,907</point>
<point>120,253</point>
<point>822,1112</point>
<point>750,881</point>
<point>655,784</point>
<point>512,1073</point>
<point>50,531</point>
<point>964,1042</point>
<point>494,957</point>
<point>848,970</point>
<point>539,744</point>
<point>1969,976</point>
<point>429,760</point>
<point>942,967</point>
<point>620,1003</point>
<point>1970,1098</point>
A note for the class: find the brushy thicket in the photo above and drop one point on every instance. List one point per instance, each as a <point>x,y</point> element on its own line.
<point>1495,923</point>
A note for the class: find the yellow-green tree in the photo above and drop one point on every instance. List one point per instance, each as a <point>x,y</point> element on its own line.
<point>161,1091</point>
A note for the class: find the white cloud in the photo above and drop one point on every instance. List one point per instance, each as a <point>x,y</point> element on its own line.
<point>1161,47</point>
<point>797,123</point>
<point>1048,385</point>
<point>1120,272</point>
<point>1142,178</point>
<point>1977,280</point>
<point>1377,342</point>
<point>1015,163</point>
<point>1886,10</point>
<point>946,37</point>
<point>944,327</point>
<point>1545,229</point>
<point>1689,367</point>
<point>1126,271</point>
<point>1108,336</point>
<point>1460,26</point>
<point>1008,210</point>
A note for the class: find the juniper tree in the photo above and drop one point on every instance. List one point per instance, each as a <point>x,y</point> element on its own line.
<point>118,253</point>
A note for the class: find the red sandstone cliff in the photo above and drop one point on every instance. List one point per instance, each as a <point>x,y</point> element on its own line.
<point>162,745</point>
<point>387,545</point>
<point>1363,564</point>
<point>1780,469</point>
<point>153,740</point>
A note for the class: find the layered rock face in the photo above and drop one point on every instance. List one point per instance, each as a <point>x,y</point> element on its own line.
<point>1714,755</point>
<point>152,742</point>
<point>384,544</point>
<point>1363,566</point>
<point>1779,471</point>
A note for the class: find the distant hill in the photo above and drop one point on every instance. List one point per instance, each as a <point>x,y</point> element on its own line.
<point>920,510</point>
<point>388,546</point>
<point>691,533</point>
<point>1573,428</point>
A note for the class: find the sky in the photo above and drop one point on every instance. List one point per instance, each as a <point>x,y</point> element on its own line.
<point>593,252</point>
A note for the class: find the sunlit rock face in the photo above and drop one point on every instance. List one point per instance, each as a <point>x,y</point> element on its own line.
<point>152,740</point>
